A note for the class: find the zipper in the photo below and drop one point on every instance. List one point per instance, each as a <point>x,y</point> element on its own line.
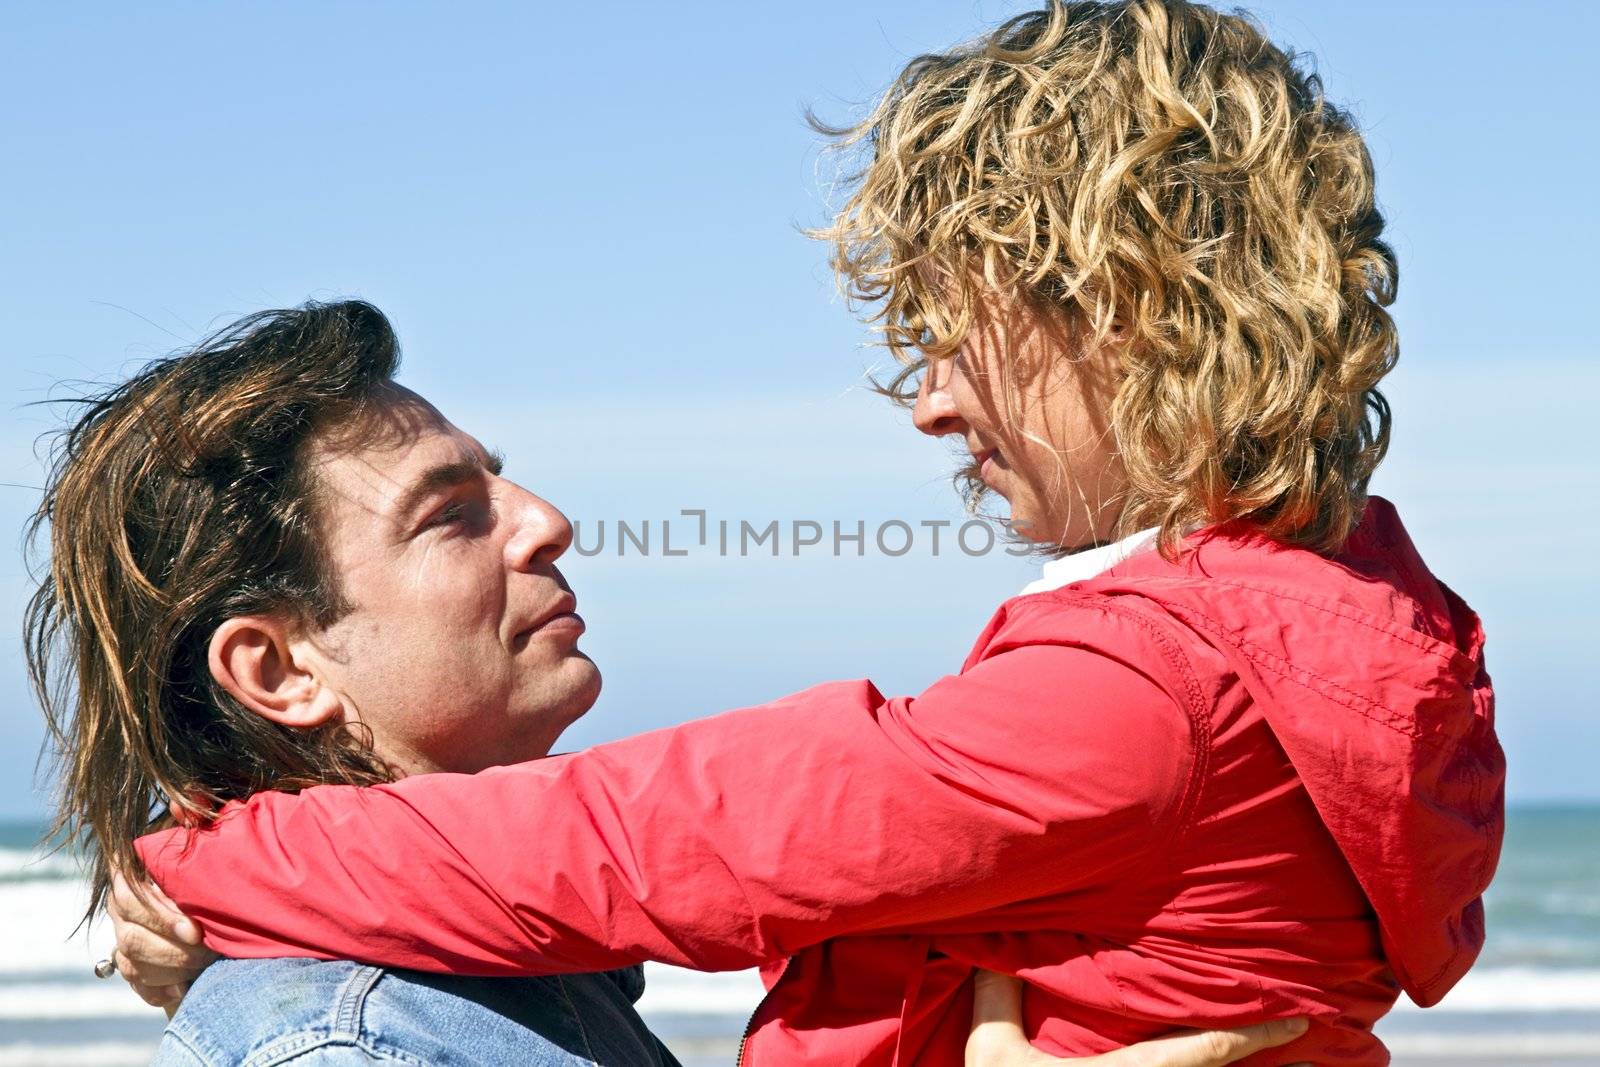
<point>749,1027</point>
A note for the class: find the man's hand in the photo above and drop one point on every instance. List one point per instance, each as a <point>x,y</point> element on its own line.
<point>159,950</point>
<point>997,1039</point>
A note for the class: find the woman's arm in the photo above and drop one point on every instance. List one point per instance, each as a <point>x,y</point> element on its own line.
<point>719,844</point>
<point>998,1040</point>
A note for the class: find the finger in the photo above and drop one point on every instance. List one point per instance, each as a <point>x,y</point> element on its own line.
<point>1209,1048</point>
<point>1270,1034</point>
<point>147,906</point>
<point>157,996</point>
<point>128,905</point>
<point>148,948</point>
<point>183,928</point>
<point>997,998</point>
<point>161,976</point>
<point>145,957</point>
<point>182,990</point>
<point>997,1035</point>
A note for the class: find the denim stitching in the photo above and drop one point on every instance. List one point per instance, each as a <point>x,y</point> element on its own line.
<point>367,1047</point>
<point>179,1038</point>
<point>353,1001</point>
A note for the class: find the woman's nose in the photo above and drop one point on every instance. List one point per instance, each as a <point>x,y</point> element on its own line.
<point>935,410</point>
<point>540,532</point>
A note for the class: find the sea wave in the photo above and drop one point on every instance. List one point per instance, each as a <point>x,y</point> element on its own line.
<point>1494,1017</point>
<point>48,936</point>
<point>93,1054</point>
<point>1522,990</point>
<point>1576,1046</point>
<point>671,991</point>
<point>72,1000</point>
<point>675,991</point>
<point>31,865</point>
<point>45,943</point>
<point>48,940</point>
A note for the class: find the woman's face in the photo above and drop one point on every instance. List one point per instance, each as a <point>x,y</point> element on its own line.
<point>1031,400</point>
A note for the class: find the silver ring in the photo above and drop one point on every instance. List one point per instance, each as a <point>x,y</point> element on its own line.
<point>106,967</point>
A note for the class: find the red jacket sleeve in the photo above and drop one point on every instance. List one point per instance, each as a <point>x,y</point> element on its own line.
<point>718,844</point>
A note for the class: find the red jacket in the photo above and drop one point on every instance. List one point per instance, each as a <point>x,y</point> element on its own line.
<point>1255,783</point>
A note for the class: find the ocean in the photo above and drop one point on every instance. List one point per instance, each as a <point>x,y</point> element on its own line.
<point>1533,999</point>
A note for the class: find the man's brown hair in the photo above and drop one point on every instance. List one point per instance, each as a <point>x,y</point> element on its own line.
<point>175,501</point>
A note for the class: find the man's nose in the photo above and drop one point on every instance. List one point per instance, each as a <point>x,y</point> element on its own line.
<point>935,410</point>
<point>540,532</point>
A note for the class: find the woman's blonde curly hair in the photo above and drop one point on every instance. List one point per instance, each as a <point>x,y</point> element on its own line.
<point>1166,165</point>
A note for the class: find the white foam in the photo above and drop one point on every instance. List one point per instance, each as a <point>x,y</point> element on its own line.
<point>1495,1047</point>
<point>1568,903</point>
<point>1520,989</point>
<point>89,999</point>
<point>40,917</point>
<point>675,991</point>
<point>97,1054</point>
<point>1463,1048</point>
<point>17,864</point>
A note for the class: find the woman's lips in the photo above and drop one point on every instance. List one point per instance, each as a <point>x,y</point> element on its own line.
<point>987,462</point>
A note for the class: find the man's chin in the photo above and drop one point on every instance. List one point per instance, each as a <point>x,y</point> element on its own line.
<point>586,687</point>
<point>559,707</point>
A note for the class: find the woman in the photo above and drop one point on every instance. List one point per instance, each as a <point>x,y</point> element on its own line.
<point>1235,763</point>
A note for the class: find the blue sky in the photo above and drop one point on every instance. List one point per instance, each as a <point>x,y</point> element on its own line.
<point>586,228</point>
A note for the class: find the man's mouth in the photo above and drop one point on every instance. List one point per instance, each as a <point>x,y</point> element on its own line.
<point>562,619</point>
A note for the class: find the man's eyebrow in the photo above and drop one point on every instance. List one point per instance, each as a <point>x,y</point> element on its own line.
<point>445,476</point>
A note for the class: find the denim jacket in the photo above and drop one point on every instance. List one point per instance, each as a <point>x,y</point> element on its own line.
<point>311,1013</point>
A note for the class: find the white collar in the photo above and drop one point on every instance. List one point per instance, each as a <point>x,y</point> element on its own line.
<point>1090,562</point>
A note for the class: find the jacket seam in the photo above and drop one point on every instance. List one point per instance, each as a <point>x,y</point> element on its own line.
<point>1425,643</point>
<point>1303,677</point>
<point>1360,706</point>
<point>577,1018</point>
<point>1479,782</point>
<point>1181,813</point>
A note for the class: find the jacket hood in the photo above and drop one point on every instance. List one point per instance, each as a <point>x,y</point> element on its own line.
<point>1370,673</point>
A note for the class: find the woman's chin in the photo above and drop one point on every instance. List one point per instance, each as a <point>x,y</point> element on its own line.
<point>1029,528</point>
<point>1066,535</point>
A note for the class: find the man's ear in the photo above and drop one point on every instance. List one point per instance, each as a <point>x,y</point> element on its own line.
<point>255,659</point>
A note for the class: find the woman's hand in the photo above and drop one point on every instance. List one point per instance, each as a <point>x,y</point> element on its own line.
<point>997,1039</point>
<point>159,950</point>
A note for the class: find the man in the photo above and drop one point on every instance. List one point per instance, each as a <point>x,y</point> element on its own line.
<point>255,544</point>
<point>261,550</point>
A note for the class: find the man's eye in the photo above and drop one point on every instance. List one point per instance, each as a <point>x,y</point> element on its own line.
<point>446,516</point>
